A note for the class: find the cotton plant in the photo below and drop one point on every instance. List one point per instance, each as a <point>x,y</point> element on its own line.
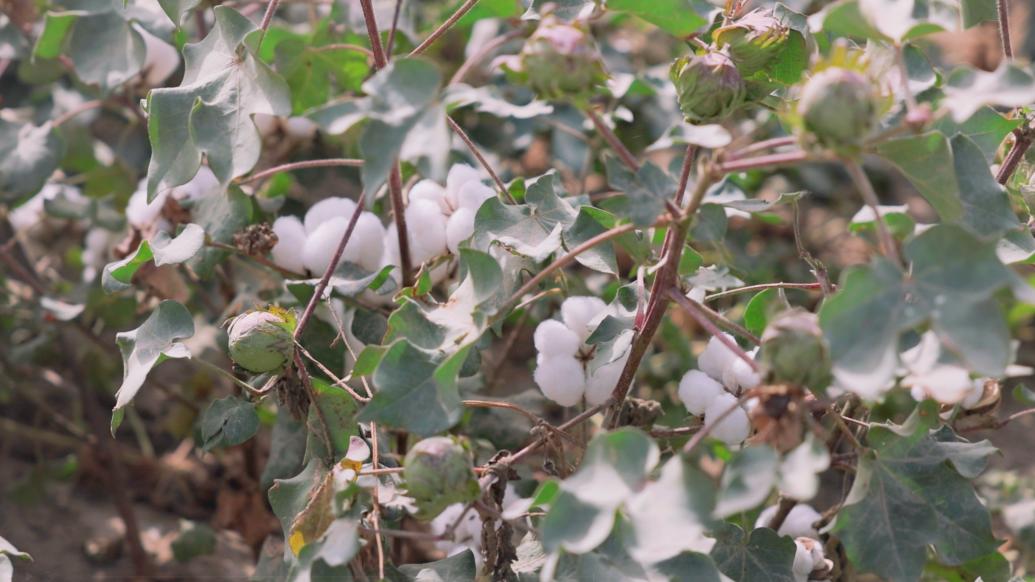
<point>567,369</point>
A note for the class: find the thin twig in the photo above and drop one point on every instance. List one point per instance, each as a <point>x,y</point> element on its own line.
<point>83,107</point>
<point>336,382</point>
<point>388,56</point>
<point>303,165</point>
<point>535,418</point>
<point>464,9</point>
<point>767,161</point>
<point>485,50</point>
<point>267,18</point>
<point>612,140</point>
<point>707,428</point>
<point>697,311</point>
<point>459,131</point>
<point>375,38</point>
<point>343,46</point>
<point>1003,11</point>
<point>399,215</point>
<point>1021,142</point>
<point>816,266</point>
<point>761,146</point>
<point>256,258</point>
<point>862,182</point>
<point>314,403</point>
<point>761,287</point>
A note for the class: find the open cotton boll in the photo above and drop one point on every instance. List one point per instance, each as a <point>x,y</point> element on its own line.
<point>578,312</point>
<point>431,191</point>
<point>945,383</point>
<point>697,390</point>
<point>160,61</point>
<point>732,429</point>
<point>739,376</point>
<point>139,212</point>
<point>327,209</point>
<point>553,338</point>
<point>561,379</point>
<point>287,253</point>
<point>300,128</point>
<point>803,562</point>
<point>204,183</point>
<point>459,228</point>
<point>974,395</point>
<point>458,176</point>
<point>716,357</point>
<point>321,243</point>
<point>367,244</point>
<point>427,230</point>
<point>798,522</point>
<point>601,382</point>
<point>473,194</point>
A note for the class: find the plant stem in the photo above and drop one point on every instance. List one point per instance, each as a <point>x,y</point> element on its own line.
<point>1021,142</point>
<point>303,165</point>
<point>887,243</point>
<point>1003,11</point>
<point>767,161</point>
<point>483,52</point>
<point>388,54</point>
<point>376,459</point>
<point>612,140</point>
<point>763,145</point>
<point>464,9</point>
<point>257,258</point>
<point>87,106</point>
<point>707,428</point>
<point>697,311</point>
<point>762,287</point>
<point>459,131</point>
<point>267,18</point>
<point>375,38</point>
<point>399,214</point>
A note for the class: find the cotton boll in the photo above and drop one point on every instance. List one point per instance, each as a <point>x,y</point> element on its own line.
<point>716,357</point>
<point>204,183</point>
<point>300,128</point>
<point>798,522</point>
<point>160,61</point>
<point>327,209</point>
<point>739,376</point>
<point>473,194</point>
<point>974,395</point>
<point>578,312</point>
<point>287,253</point>
<point>947,384</point>
<point>367,243</point>
<point>139,212</point>
<point>732,429</point>
<point>459,228</point>
<point>432,191</point>
<point>321,243</point>
<point>561,379</point>
<point>427,230</point>
<point>601,382</point>
<point>553,338</point>
<point>459,175</point>
<point>697,390</point>
<point>803,562</point>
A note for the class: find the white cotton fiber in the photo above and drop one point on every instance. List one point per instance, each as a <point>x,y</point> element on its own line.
<point>578,312</point>
<point>732,429</point>
<point>697,390</point>
<point>553,338</point>
<point>459,228</point>
<point>287,253</point>
<point>327,209</point>
<point>561,379</point>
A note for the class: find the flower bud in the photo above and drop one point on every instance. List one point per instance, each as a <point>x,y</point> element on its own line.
<point>709,86</point>
<point>795,352</point>
<point>438,473</point>
<point>838,107</point>
<point>753,40</point>
<point>561,61</point>
<point>261,341</point>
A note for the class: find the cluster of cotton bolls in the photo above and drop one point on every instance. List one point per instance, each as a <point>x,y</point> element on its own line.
<point>309,244</point>
<point>565,370</point>
<point>147,216</point>
<point>443,217</point>
<point>799,524</point>
<point>710,391</point>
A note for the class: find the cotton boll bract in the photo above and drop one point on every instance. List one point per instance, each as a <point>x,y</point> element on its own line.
<point>553,338</point>
<point>716,357</point>
<point>327,209</point>
<point>697,390</point>
<point>732,429</point>
<point>459,228</point>
<point>561,379</point>
<point>160,61</point>
<point>578,312</point>
<point>287,253</point>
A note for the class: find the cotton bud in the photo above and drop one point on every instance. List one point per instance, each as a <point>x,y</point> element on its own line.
<point>261,341</point>
<point>838,107</point>
<point>709,86</point>
<point>459,228</point>
<point>561,61</point>
<point>579,313</point>
<point>795,351</point>
<point>753,40</point>
<point>697,390</point>
<point>438,472</point>
<point>561,379</point>
<point>287,253</point>
<point>160,61</point>
<point>328,209</point>
<point>732,429</point>
<point>716,357</point>
<point>600,383</point>
<point>798,523</point>
<point>553,338</point>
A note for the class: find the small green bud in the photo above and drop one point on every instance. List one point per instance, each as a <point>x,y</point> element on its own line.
<point>561,61</point>
<point>438,473</point>
<point>795,351</point>
<point>839,107</point>
<point>753,40</point>
<point>709,86</point>
<point>261,341</point>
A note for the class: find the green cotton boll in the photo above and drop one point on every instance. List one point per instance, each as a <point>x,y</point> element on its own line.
<point>753,40</point>
<point>709,86</point>
<point>795,351</point>
<point>839,108</point>
<point>561,62</point>
<point>261,341</point>
<point>438,473</point>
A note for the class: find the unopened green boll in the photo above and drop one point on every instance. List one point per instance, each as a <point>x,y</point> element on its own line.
<point>839,107</point>
<point>795,352</point>
<point>261,341</point>
<point>438,473</point>
<point>709,86</point>
<point>753,40</point>
<point>561,61</point>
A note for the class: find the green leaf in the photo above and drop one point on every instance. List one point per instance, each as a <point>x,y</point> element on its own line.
<point>532,229</point>
<point>975,12</point>
<point>677,17</point>
<point>986,206</point>
<point>220,214</point>
<point>457,567</point>
<point>589,223</point>
<point>907,497</point>
<point>762,556</point>
<point>747,480</point>
<point>709,224</point>
<point>287,449</point>
<point>645,191</point>
<point>163,250</point>
<point>314,67</point>
<point>968,90</point>
<point>566,9</point>
<point>987,128</point>
<point>178,10</point>
<point>193,540</point>
<point>29,154</point>
<point>415,391</point>
<point>924,160</point>
<point>227,422</point>
<point>209,114</point>
<point>156,340</point>
<point>489,99</point>
<point>757,311</point>
<point>335,409</point>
